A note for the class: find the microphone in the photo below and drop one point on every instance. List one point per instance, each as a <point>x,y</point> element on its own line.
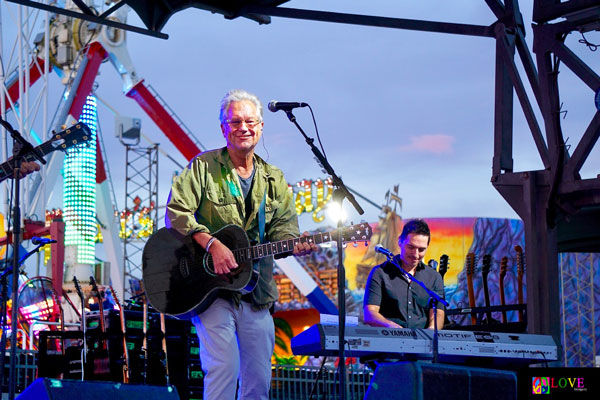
<point>275,106</point>
<point>380,249</point>
<point>39,240</point>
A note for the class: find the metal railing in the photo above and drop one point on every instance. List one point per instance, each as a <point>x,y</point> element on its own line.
<point>26,371</point>
<point>289,382</point>
<point>292,382</point>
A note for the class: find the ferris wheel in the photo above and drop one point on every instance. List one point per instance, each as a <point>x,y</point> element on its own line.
<point>74,50</point>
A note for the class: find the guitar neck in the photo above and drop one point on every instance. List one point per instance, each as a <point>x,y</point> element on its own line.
<point>502,298</point>
<point>520,296</point>
<point>503,267</point>
<point>444,261</point>
<point>100,301</point>
<point>520,271</point>
<point>520,285</point>
<point>471,291</point>
<point>101,312</point>
<point>486,295</point>
<point>470,269</point>
<point>123,328</point>
<point>7,168</point>
<point>281,247</point>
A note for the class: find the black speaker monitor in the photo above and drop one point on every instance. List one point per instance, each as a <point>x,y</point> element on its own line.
<point>428,381</point>
<point>60,389</point>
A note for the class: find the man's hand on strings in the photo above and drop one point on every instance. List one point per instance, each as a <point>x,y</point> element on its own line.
<point>303,248</point>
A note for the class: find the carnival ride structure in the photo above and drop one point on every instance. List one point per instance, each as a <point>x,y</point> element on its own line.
<point>75,49</point>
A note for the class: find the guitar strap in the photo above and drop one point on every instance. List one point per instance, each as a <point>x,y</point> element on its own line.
<point>262,218</point>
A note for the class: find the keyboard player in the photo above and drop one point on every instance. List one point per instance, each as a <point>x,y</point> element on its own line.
<point>391,300</point>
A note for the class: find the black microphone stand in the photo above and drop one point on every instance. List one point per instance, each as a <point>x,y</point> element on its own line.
<point>340,192</point>
<point>22,151</point>
<point>434,298</point>
<point>3,296</point>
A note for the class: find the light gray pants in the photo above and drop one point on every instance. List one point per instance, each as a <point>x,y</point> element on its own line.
<point>235,341</point>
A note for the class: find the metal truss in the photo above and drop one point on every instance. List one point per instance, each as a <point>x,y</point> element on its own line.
<point>560,210</point>
<point>141,190</point>
<point>21,65</point>
<point>557,206</point>
<point>88,14</point>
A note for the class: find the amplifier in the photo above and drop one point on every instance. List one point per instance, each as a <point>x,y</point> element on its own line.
<point>134,322</point>
<point>145,367</point>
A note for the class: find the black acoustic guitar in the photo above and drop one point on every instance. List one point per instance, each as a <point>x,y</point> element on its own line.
<point>179,275</point>
<point>63,140</point>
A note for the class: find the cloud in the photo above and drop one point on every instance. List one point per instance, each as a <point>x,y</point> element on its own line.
<point>436,144</point>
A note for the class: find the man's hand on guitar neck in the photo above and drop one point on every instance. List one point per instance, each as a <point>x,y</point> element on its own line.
<point>304,248</point>
<point>28,167</point>
<point>224,260</point>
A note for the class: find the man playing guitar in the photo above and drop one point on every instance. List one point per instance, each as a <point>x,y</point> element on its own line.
<point>232,185</point>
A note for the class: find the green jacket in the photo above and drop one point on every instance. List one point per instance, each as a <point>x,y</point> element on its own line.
<point>207,196</point>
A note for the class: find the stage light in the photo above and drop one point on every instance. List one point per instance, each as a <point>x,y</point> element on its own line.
<point>336,212</point>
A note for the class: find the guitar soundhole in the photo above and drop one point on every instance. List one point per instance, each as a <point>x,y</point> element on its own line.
<point>184,267</point>
<point>209,267</point>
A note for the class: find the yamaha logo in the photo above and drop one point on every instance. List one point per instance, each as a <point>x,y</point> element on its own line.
<point>399,332</point>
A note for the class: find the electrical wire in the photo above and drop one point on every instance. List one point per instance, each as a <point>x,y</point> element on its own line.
<point>590,45</point>
<point>317,131</point>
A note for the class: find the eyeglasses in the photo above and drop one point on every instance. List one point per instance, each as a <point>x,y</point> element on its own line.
<point>237,123</point>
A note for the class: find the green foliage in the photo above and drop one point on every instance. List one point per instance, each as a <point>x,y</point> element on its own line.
<point>287,360</point>
<point>283,326</point>
<point>279,342</point>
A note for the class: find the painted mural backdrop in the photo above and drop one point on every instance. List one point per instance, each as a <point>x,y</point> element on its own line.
<point>456,237</point>
<point>496,237</point>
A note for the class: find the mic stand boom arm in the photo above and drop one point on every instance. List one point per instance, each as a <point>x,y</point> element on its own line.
<point>22,150</point>
<point>339,193</point>
<point>434,298</point>
<point>337,181</point>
